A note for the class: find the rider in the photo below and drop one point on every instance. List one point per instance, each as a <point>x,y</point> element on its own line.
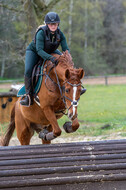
<point>47,40</point>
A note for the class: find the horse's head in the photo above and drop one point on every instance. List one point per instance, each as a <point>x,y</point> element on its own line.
<point>71,83</point>
<point>72,89</point>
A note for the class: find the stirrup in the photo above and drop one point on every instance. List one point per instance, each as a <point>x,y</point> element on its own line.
<point>30,102</point>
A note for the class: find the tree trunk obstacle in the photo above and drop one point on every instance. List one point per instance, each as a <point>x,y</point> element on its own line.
<point>70,166</point>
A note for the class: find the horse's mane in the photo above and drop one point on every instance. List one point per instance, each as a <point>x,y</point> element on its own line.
<point>65,60</point>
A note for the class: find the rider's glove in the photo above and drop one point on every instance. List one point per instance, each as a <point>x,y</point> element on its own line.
<point>54,60</point>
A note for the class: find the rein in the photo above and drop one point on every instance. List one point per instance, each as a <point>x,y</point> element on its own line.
<point>48,77</point>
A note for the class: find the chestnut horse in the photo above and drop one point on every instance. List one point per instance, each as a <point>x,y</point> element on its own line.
<point>60,91</point>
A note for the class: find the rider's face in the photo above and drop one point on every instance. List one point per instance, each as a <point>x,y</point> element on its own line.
<point>53,26</point>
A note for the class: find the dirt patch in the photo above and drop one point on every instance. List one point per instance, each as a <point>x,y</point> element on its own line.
<point>89,80</point>
<point>105,80</point>
<point>35,140</point>
<point>5,86</point>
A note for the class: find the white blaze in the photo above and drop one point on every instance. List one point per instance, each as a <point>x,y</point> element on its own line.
<point>74,98</point>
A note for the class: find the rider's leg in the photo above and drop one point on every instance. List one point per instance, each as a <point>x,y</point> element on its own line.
<point>83,90</point>
<point>28,99</point>
<point>30,60</point>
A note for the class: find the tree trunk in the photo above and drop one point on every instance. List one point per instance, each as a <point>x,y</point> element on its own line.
<point>95,33</point>
<point>86,31</point>
<point>31,19</point>
<point>2,67</point>
<point>70,23</point>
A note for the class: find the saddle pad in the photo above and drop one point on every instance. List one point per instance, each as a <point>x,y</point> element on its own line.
<point>22,91</point>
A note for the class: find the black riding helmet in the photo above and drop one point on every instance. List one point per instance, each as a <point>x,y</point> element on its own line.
<point>52,17</point>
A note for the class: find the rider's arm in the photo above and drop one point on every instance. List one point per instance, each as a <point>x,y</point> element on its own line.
<point>40,45</point>
<point>64,42</point>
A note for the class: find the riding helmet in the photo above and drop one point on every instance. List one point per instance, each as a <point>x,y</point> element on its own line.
<point>52,17</point>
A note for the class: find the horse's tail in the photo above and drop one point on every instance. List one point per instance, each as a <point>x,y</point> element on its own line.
<point>10,129</point>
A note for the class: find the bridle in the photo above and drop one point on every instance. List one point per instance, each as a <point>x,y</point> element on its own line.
<point>74,103</point>
<point>62,90</point>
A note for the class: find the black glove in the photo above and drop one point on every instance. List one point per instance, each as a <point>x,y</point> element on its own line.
<point>54,60</point>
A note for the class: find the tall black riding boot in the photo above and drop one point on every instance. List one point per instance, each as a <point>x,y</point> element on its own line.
<point>83,91</point>
<point>28,99</point>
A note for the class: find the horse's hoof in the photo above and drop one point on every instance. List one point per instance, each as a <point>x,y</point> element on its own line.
<point>42,134</point>
<point>67,125</point>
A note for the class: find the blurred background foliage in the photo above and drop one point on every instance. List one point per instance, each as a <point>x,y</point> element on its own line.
<point>95,32</point>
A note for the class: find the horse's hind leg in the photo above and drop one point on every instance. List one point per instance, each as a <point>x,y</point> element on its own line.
<point>24,132</point>
<point>26,136</point>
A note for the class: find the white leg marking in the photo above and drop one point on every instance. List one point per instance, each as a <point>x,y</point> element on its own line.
<point>74,98</point>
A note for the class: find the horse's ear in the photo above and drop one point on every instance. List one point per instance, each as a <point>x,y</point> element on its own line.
<point>81,73</point>
<point>67,74</point>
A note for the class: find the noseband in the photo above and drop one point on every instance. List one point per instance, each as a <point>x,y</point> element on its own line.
<point>73,103</point>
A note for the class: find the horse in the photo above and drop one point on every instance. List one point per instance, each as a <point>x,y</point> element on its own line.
<point>59,92</point>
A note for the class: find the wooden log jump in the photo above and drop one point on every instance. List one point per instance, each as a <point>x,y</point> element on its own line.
<point>99,165</point>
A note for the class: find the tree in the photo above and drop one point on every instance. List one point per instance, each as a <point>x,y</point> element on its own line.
<point>94,29</point>
<point>114,24</point>
<point>19,20</point>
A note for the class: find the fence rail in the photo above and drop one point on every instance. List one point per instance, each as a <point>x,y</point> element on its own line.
<point>11,81</point>
<point>106,79</point>
<point>70,166</point>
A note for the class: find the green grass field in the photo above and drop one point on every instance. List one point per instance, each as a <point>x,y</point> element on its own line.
<point>102,107</point>
<point>101,111</point>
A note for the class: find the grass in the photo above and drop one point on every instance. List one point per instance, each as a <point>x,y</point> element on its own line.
<point>99,106</point>
<point>4,90</point>
<point>101,112</point>
<point>7,79</point>
<point>2,128</point>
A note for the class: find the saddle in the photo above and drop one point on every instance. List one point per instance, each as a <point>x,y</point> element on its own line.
<point>37,76</point>
<point>36,73</point>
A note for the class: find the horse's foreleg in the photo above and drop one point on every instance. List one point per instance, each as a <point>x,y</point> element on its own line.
<point>48,129</point>
<point>75,124</point>
<point>71,127</point>
<point>45,142</point>
<point>50,115</point>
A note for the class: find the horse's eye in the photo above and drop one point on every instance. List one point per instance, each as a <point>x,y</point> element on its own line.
<point>67,90</point>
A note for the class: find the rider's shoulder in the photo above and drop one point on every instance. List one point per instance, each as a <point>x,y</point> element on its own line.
<point>41,28</point>
<point>40,32</point>
<point>62,35</point>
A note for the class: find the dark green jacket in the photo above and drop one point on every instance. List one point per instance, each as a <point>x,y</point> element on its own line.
<point>38,47</point>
